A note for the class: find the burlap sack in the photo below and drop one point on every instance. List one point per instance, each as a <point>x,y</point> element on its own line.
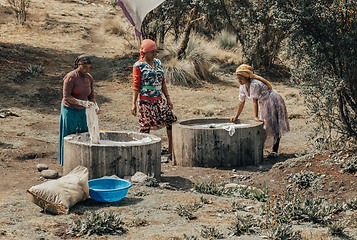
<point>58,196</point>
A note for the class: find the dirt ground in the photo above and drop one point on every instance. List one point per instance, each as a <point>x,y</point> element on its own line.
<point>57,32</point>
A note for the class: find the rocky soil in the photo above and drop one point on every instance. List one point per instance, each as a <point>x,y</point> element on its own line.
<point>58,31</point>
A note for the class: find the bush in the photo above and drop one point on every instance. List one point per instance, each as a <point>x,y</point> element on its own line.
<point>245,225</point>
<point>336,227</point>
<point>226,40</point>
<point>322,48</point>
<point>35,69</point>
<point>20,7</point>
<point>211,233</point>
<point>304,180</point>
<point>351,165</point>
<point>98,223</point>
<point>192,68</point>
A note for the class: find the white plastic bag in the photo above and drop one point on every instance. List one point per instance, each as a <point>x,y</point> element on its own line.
<point>58,196</point>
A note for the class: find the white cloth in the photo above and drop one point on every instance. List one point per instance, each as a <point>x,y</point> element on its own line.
<point>229,127</point>
<point>136,10</point>
<point>92,123</point>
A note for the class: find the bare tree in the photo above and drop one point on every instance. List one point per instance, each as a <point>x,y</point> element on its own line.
<point>20,7</point>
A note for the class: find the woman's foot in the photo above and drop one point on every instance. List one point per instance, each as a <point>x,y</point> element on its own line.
<point>273,155</point>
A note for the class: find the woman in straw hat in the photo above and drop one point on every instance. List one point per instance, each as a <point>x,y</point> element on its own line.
<point>149,86</point>
<point>272,106</point>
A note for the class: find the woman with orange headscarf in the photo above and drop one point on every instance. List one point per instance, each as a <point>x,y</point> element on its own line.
<point>272,106</point>
<point>148,88</point>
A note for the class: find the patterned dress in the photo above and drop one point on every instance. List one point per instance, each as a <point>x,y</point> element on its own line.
<point>272,109</point>
<point>153,110</point>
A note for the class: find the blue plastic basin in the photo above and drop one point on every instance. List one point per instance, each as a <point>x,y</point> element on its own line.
<point>108,189</point>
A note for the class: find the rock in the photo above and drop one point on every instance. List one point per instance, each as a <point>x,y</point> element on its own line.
<point>164,159</point>
<point>166,185</point>
<point>112,176</point>
<point>139,177</point>
<point>231,185</point>
<point>49,174</point>
<point>41,167</point>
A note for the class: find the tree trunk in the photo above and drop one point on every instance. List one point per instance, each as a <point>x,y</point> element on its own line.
<point>186,33</point>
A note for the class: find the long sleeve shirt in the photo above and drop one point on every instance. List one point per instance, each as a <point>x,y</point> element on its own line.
<point>147,80</point>
<point>79,86</point>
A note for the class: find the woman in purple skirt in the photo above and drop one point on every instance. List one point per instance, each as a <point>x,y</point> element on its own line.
<point>272,106</point>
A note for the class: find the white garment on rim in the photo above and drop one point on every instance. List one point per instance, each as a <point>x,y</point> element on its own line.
<point>136,10</point>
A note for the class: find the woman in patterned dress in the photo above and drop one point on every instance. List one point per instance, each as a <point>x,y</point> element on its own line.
<point>148,87</point>
<point>272,106</point>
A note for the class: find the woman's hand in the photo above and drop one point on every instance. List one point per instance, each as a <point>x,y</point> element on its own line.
<point>258,120</point>
<point>133,109</point>
<point>233,119</point>
<point>169,103</point>
<point>97,110</point>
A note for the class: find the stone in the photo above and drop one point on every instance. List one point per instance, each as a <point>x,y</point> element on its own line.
<point>164,159</point>
<point>230,185</point>
<point>166,185</point>
<point>49,174</point>
<point>139,177</point>
<point>41,167</point>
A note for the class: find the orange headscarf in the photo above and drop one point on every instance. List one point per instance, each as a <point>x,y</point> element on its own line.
<point>247,71</point>
<point>147,45</point>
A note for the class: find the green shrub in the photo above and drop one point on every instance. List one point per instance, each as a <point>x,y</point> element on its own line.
<point>351,165</point>
<point>304,180</point>
<point>321,47</point>
<point>245,225</point>
<point>35,69</point>
<point>150,182</point>
<point>211,233</point>
<point>226,40</point>
<point>99,223</point>
<point>336,227</point>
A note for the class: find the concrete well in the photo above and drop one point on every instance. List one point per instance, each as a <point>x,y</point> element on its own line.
<point>203,143</point>
<point>120,153</point>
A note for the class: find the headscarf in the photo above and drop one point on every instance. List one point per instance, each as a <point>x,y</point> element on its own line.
<point>247,71</point>
<point>147,45</point>
<point>83,59</point>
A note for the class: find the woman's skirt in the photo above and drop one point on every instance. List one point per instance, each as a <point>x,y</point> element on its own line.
<point>72,121</point>
<point>155,115</point>
<point>273,112</point>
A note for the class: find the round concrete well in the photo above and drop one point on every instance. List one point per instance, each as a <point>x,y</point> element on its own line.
<point>119,153</point>
<point>209,143</point>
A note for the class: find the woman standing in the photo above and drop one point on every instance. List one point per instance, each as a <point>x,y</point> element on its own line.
<point>149,86</point>
<point>78,94</point>
<point>272,106</point>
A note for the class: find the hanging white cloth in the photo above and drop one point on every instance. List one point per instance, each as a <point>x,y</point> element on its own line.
<point>93,125</point>
<point>136,10</point>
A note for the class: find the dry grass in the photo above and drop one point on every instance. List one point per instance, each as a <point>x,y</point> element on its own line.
<point>113,26</point>
<point>180,73</point>
<point>199,64</point>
